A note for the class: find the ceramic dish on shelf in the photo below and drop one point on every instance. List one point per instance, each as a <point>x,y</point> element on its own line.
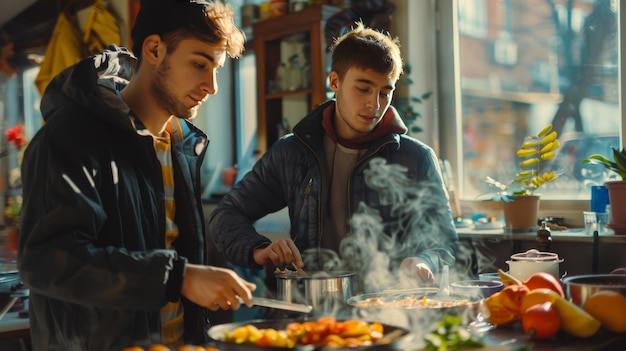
<point>488,225</point>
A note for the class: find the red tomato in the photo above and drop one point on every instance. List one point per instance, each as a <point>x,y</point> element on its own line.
<point>541,321</point>
<point>328,325</point>
<point>296,330</point>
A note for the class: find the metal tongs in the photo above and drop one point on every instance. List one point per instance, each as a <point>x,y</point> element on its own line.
<point>281,305</point>
<point>14,298</point>
<point>300,271</point>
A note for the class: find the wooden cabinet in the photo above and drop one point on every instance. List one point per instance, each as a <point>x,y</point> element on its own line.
<point>292,60</point>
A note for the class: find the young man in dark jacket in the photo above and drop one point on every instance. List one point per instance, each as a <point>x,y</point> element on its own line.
<point>361,194</point>
<point>112,244</point>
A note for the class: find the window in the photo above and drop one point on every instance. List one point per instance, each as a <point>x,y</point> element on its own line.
<point>541,61</point>
<point>472,18</point>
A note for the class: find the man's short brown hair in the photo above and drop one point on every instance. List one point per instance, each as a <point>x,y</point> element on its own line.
<point>367,48</point>
<point>210,21</point>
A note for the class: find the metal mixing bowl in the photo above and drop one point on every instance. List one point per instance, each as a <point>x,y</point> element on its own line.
<point>579,287</point>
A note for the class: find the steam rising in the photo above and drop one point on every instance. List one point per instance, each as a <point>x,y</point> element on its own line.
<point>375,249</point>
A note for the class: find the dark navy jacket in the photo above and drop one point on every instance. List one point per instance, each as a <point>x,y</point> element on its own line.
<point>291,173</point>
<point>92,236</point>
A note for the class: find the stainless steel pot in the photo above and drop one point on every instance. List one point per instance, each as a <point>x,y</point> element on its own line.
<point>579,287</point>
<point>325,291</point>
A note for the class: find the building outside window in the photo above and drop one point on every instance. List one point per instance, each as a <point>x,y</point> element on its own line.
<point>539,62</point>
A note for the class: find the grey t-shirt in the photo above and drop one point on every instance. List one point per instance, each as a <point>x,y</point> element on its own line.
<point>340,161</point>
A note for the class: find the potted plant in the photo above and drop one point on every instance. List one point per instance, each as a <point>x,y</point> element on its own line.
<point>616,188</point>
<point>520,201</point>
<point>406,105</point>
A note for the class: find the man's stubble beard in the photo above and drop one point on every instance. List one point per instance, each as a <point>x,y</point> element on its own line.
<point>164,95</point>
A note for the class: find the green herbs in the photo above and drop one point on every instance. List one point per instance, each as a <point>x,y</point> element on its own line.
<point>449,335</point>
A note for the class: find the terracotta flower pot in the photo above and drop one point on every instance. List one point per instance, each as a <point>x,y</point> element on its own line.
<point>520,215</point>
<point>617,199</point>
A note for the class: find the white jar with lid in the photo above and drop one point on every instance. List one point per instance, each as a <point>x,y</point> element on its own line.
<point>523,265</point>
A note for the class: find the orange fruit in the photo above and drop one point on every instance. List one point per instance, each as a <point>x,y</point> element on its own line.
<point>134,348</point>
<point>512,297</point>
<point>544,280</point>
<point>538,296</point>
<point>495,313</point>
<point>609,307</point>
<point>159,347</point>
<point>541,321</point>
<point>191,348</point>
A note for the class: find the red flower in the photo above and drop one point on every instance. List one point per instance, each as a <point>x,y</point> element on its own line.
<point>15,135</point>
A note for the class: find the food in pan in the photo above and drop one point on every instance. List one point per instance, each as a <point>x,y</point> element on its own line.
<point>284,271</point>
<point>161,347</point>
<point>410,301</point>
<point>324,332</point>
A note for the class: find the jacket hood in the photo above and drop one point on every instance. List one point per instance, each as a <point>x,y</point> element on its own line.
<point>390,123</point>
<point>312,126</point>
<point>93,84</point>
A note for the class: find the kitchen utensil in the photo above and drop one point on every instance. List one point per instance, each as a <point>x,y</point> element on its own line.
<point>443,294</point>
<point>8,306</point>
<point>279,304</point>
<point>393,333</point>
<point>579,287</point>
<point>444,285</point>
<point>300,271</point>
<point>325,291</point>
<point>523,265</point>
<point>594,253</point>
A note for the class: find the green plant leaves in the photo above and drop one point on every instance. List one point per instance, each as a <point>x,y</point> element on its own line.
<point>534,151</point>
<point>618,165</point>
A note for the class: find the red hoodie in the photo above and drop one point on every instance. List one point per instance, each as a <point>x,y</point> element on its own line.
<point>390,123</point>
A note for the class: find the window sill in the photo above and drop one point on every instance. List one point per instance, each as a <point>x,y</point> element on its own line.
<point>573,235</point>
<point>570,210</point>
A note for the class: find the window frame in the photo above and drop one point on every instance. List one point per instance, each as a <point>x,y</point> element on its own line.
<point>450,111</point>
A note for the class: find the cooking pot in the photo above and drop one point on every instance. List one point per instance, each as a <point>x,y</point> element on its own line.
<point>523,265</point>
<point>217,333</point>
<point>579,287</point>
<point>325,291</point>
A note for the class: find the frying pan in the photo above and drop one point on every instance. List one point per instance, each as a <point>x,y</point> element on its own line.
<point>216,333</point>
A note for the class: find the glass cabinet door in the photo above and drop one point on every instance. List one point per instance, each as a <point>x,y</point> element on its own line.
<point>292,55</point>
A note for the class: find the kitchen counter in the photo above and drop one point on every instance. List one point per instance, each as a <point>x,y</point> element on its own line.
<point>12,326</point>
<point>514,337</point>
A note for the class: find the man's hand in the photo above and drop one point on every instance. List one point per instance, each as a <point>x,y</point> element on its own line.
<point>415,267</point>
<point>215,287</point>
<point>279,253</point>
